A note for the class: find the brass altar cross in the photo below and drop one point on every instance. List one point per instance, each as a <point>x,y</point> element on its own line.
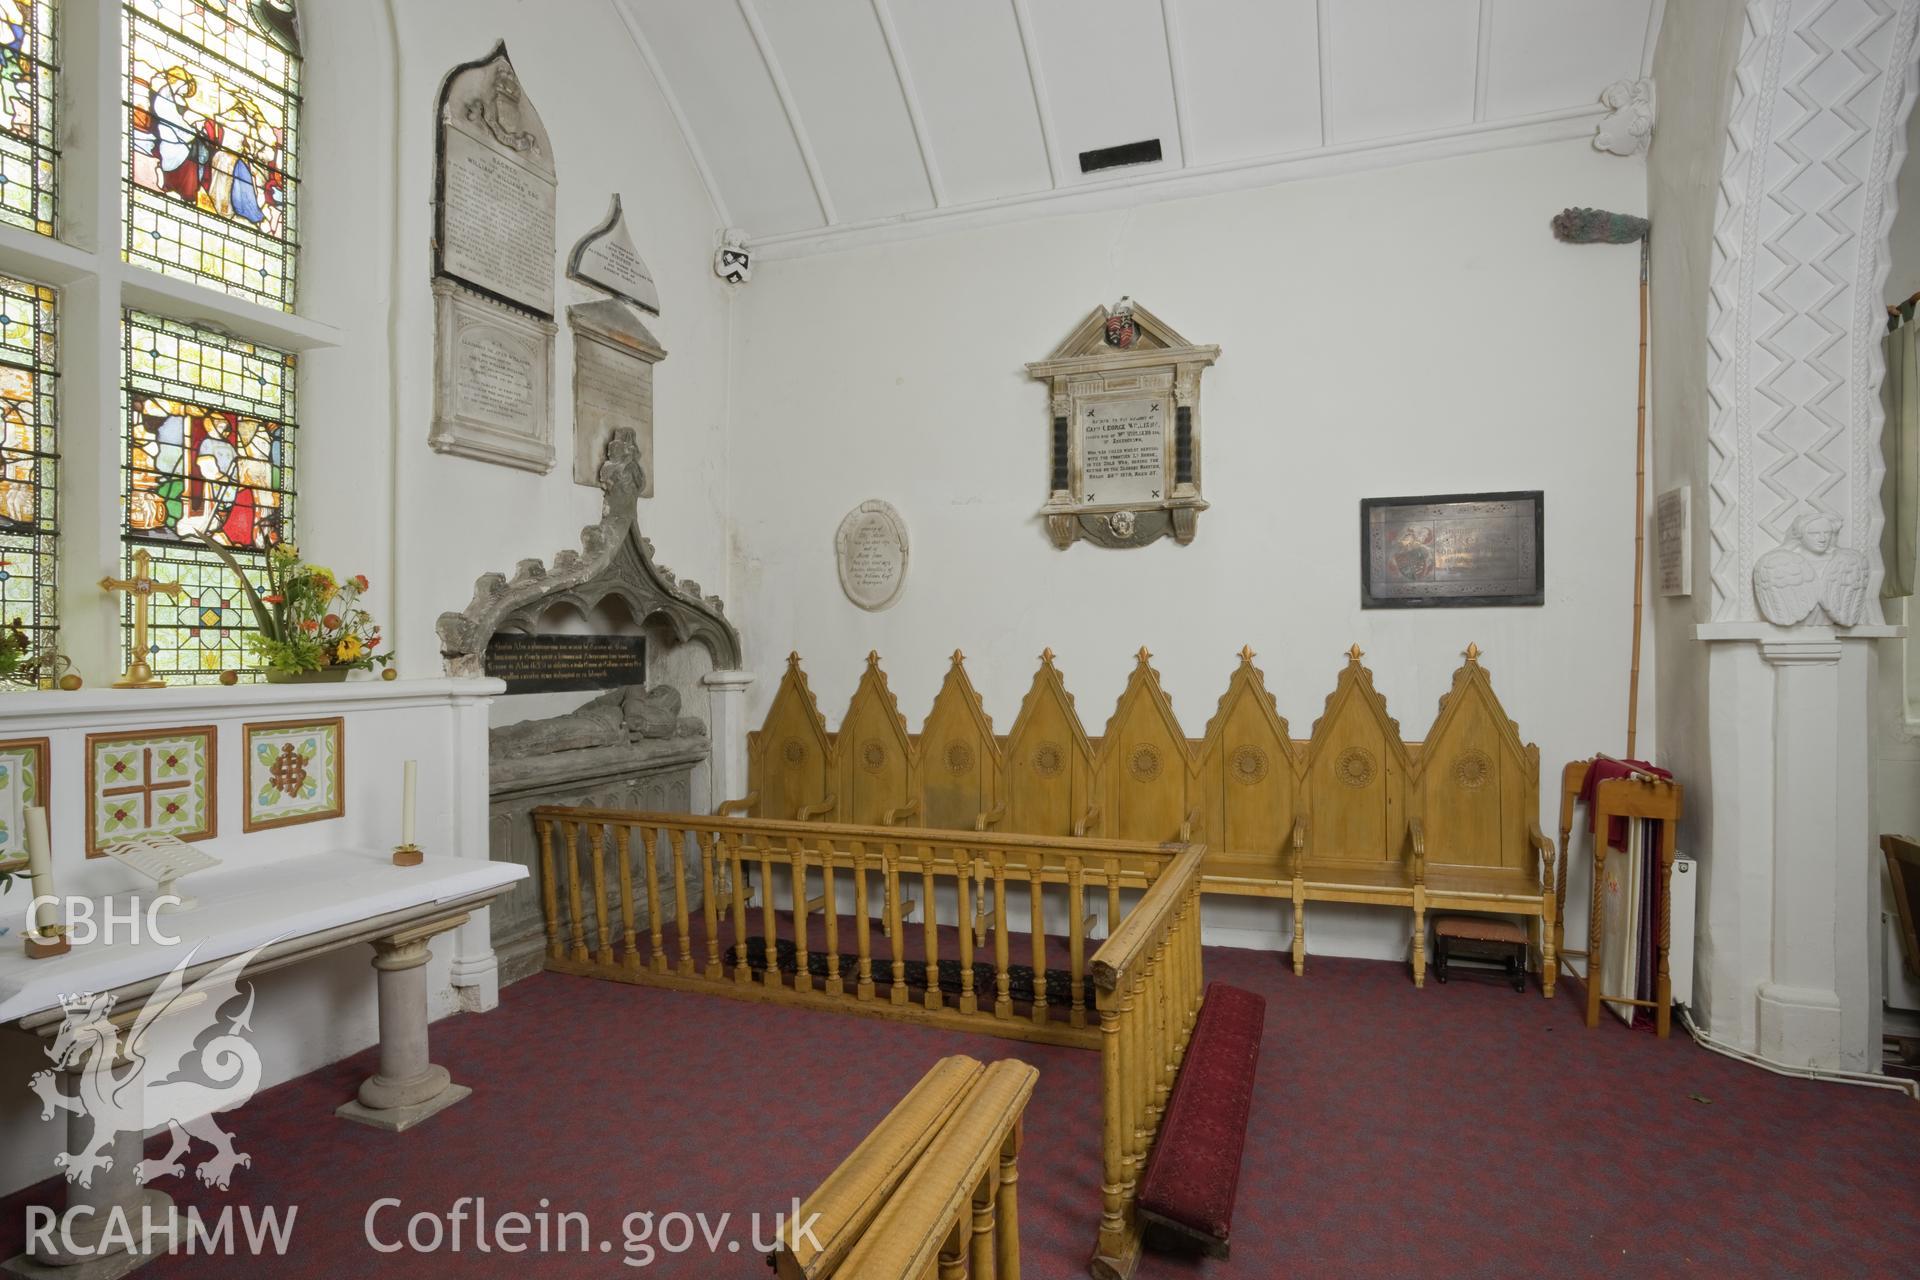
<point>142,586</point>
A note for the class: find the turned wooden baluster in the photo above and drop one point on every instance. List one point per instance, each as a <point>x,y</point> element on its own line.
<point>802,960</point>
<point>1007,1252</point>
<point>656,927</point>
<point>578,948</point>
<point>710,903</point>
<point>835,985</point>
<point>962,869</point>
<point>930,930</point>
<point>1002,999</point>
<point>742,971</point>
<point>603,937</point>
<point>677,851</point>
<point>550,891</point>
<point>770,976</point>
<point>1037,920</point>
<point>983,1223</point>
<point>1113,895</point>
<point>1076,942</point>
<point>863,971</point>
<point>629,948</point>
<point>896,948</point>
<point>953,1254</point>
<point>1114,1215</point>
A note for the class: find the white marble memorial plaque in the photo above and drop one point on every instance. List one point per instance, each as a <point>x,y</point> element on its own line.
<point>1123,451</point>
<point>495,209</point>
<point>491,377</point>
<point>871,548</point>
<point>606,259</point>
<point>613,359</point>
<point>1673,541</point>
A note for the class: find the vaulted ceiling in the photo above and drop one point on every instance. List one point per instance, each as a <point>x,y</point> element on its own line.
<point>815,121</point>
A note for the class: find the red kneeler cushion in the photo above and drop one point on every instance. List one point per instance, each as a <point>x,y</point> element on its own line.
<point>1194,1169</point>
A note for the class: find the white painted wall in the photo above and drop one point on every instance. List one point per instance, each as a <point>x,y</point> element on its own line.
<point>1407,331</point>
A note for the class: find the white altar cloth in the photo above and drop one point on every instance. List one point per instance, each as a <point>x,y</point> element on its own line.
<point>240,907</point>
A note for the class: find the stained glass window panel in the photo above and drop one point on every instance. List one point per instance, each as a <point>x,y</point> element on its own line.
<point>27,460</point>
<point>212,118</point>
<point>26,114</point>
<point>209,457</point>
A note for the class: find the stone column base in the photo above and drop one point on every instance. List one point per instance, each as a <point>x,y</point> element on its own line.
<point>156,1206</point>
<point>1799,1026</point>
<point>401,1118</point>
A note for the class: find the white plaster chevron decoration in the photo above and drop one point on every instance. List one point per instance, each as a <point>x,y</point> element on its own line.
<point>1822,90</point>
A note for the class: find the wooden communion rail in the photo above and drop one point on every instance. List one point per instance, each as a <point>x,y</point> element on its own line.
<point>607,917</point>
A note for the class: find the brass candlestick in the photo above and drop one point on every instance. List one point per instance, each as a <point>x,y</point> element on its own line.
<point>142,586</point>
<point>407,855</point>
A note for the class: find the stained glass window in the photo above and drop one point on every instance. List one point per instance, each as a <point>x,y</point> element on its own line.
<point>209,455</point>
<point>27,460</point>
<point>26,114</point>
<point>212,112</point>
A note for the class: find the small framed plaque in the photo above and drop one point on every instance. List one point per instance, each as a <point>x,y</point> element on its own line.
<point>1453,550</point>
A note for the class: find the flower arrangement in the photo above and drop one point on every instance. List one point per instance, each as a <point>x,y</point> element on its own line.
<point>14,648</point>
<point>310,620</point>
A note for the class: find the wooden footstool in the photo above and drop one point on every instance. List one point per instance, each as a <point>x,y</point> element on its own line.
<point>1480,937</point>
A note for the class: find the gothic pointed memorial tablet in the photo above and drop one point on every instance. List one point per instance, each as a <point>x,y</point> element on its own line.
<point>606,260</point>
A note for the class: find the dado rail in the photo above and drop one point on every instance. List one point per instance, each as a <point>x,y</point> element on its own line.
<point>1352,814</point>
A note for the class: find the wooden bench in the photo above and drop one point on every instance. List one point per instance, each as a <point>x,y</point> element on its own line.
<point>1194,1171</point>
<point>1355,813</point>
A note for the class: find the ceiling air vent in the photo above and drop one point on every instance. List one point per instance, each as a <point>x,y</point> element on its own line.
<point>1114,157</point>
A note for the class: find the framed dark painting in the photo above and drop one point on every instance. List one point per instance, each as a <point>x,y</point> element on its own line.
<point>1453,550</point>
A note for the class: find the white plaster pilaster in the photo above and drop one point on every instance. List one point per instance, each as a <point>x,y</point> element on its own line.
<point>727,727</point>
<point>475,971</point>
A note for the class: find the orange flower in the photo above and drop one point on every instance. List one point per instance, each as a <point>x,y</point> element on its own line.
<point>308,624</point>
<point>359,582</point>
<point>275,598</point>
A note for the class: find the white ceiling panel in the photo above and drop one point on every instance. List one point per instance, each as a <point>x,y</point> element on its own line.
<point>1544,55</point>
<point>710,61</point>
<point>1400,66</point>
<point>836,62</point>
<point>969,72</point>
<point>1107,80</point>
<point>1249,76</point>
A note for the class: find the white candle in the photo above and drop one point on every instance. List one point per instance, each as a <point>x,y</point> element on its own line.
<point>406,805</point>
<point>40,868</point>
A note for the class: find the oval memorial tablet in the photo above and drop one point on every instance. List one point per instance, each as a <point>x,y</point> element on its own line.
<point>871,548</point>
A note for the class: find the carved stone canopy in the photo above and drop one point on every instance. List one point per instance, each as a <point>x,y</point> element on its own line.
<point>614,562</point>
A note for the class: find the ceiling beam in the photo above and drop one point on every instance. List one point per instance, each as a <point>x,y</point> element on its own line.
<point>787,104</point>
<point>1177,74</point>
<point>699,157</point>
<point>1056,163</point>
<point>1482,61</point>
<point>884,16</point>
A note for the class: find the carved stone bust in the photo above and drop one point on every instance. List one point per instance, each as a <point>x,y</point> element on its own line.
<point>1809,574</point>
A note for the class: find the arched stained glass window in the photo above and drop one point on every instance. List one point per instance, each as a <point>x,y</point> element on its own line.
<point>26,114</point>
<point>209,455</point>
<point>27,459</point>
<point>212,122</point>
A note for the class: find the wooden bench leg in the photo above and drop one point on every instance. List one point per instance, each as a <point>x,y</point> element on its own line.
<point>1419,937</point>
<point>1299,929</point>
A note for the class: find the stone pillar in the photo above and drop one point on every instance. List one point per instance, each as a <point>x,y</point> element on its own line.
<point>408,1087</point>
<point>102,1218</point>
<point>475,974</point>
<point>727,730</point>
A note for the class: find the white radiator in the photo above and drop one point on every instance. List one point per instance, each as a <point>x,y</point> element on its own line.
<point>1686,897</point>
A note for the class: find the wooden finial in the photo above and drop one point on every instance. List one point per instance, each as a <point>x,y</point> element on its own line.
<point>873,657</point>
<point>1246,655</point>
<point>1143,655</point>
<point>1473,652</point>
<point>1355,654</point>
<point>793,659</point>
<point>958,657</point>
<point>1046,656</point>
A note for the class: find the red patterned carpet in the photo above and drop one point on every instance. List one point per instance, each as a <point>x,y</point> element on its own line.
<point>1457,1130</point>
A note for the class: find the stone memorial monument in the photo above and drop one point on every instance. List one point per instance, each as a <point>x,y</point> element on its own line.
<point>871,548</point>
<point>613,358</point>
<point>605,259</point>
<point>1124,464</point>
<point>493,257</point>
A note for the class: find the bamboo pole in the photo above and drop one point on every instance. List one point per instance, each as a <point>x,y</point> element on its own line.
<point>1639,506</point>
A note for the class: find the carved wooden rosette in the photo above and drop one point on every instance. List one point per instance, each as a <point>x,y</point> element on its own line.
<point>1113,495</point>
